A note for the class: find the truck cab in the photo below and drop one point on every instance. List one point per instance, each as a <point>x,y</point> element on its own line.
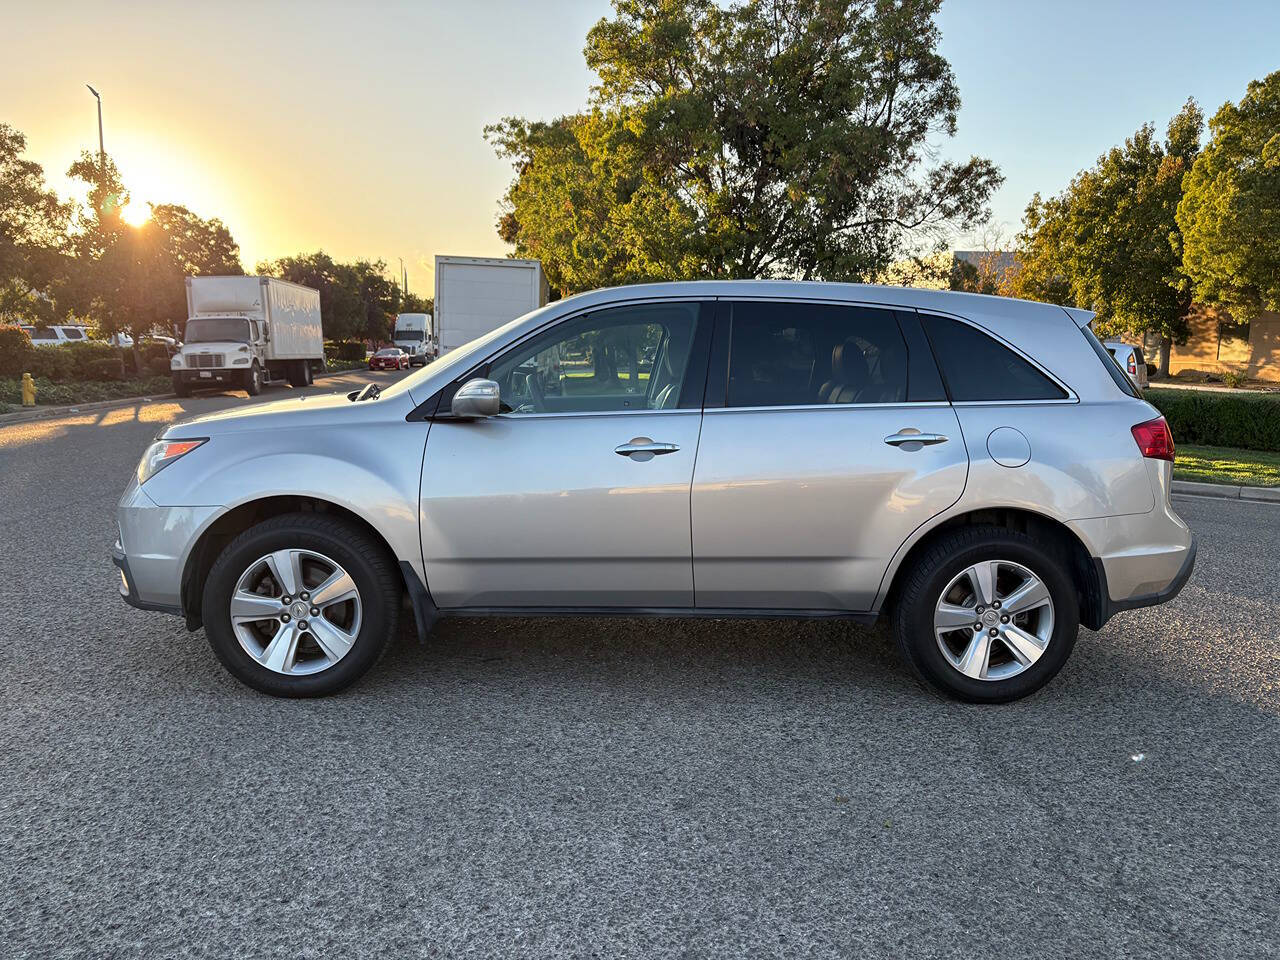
<point>220,351</point>
<point>413,335</point>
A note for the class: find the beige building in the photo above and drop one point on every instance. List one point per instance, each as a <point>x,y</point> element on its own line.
<point>1216,345</point>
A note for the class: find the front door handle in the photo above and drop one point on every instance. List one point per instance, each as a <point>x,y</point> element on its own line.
<point>642,449</point>
<point>911,435</point>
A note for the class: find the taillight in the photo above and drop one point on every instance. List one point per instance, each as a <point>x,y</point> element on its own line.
<point>1133,365</point>
<point>1154,439</point>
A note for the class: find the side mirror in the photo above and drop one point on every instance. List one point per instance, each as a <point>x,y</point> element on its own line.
<point>266,330</point>
<point>476,398</point>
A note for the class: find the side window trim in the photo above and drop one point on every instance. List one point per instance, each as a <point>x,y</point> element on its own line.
<point>1071,396</point>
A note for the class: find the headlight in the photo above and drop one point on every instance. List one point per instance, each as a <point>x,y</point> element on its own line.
<point>162,453</point>
<point>240,360</point>
<point>175,360</point>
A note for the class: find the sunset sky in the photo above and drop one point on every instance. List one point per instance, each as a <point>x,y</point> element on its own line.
<point>357,129</point>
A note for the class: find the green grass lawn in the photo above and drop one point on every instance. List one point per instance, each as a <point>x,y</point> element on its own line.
<point>1251,468</point>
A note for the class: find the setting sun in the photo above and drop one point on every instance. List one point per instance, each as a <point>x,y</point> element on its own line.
<point>136,213</point>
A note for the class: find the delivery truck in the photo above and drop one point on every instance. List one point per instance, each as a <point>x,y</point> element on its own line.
<point>477,294</point>
<point>246,332</point>
<point>413,334</point>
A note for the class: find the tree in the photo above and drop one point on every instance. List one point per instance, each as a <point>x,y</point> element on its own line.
<point>764,138</point>
<point>1230,210</point>
<point>1111,242</point>
<point>33,225</point>
<point>356,299</point>
<point>130,279</point>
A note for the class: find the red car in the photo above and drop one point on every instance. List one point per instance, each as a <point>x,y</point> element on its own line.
<point>392,358</point>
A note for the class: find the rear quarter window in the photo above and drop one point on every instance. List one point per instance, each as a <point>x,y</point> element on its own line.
<point>976,367</point>
<point>1109,361</point>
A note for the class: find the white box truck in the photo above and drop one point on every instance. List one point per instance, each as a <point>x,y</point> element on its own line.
<point>477,294</point>
<point>248,331</point>
<point>413,334</point>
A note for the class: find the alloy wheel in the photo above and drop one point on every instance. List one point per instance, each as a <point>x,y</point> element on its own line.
<point>295,612</point>
<point>994,620</point>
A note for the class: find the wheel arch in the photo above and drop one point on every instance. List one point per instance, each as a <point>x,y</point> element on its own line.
<point>1083,570</point>
<point>235,521</point>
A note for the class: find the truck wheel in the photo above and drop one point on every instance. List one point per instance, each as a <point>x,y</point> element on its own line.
<point>299,373</point>
<point>181,387</point>
<point>253,380</point>
<point>301,605</point>
<point>987,614</point>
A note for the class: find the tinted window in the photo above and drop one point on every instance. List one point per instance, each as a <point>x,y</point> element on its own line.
<point>979,367</point>
<point>1110,362</point>
<point>636,357</point>
<point>73,333</point>
<point>788,354</point>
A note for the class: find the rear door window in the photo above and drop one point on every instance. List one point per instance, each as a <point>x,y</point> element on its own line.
<point>796,354</point>
<point>978,367</point>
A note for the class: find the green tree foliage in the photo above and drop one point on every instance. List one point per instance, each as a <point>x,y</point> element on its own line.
<point>1111,243</point>
<point>356,299</point>
<point>1230,209</point>
<point>763,138</point>
<point>33,226</point>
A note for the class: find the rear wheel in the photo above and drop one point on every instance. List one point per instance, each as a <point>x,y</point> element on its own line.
<point>301,605</point>
<point>300,373</point>
<point>987,614</point>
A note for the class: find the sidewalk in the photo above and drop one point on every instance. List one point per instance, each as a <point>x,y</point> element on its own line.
<point>1226,491</point>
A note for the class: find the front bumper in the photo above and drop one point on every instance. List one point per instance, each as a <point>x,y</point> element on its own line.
<point>210,377</point>
<point>154,546</point>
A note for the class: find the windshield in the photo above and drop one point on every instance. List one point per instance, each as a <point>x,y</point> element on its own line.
<point>218,329</point>
<point>407,335</point>
<point>388,353</point>
<point>458,360</point>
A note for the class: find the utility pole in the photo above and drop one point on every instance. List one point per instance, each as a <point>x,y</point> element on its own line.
<point>102,152</point>
<point>404,277</point>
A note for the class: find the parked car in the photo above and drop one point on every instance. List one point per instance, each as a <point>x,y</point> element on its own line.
<point>976,468</point>
<point>389,358</point>
<point>56,335</point>
<point>1129,356</point>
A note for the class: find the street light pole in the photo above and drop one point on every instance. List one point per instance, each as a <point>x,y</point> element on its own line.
<point>404,277</point>
<point>102,152</point>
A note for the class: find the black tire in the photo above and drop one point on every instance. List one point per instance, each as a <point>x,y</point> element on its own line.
<point>181,387</point>
<point>253,380</point>
<point>923,586</point>
<point>373,571</point>
<point>299,372</point>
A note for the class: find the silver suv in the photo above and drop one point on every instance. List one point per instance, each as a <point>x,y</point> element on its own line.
<point>978,468</point>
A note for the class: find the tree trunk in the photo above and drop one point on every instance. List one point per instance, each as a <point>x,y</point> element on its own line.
<point>1166,348</point>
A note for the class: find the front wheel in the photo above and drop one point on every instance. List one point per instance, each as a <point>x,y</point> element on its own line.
<point>987,614</point>
<point>253,380</point>
<point>301,605</point>
<point>181,387</point>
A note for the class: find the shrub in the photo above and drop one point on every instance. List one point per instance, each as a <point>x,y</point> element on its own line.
<point>1250,421</point>
<point>49,363</point>
<point>56,394</point>
<point>86,359</point>
<point>1233,378</point>
<point>157,366</point>
<point>345,350</point>
<point>15,351</point>
<point>106,368</point>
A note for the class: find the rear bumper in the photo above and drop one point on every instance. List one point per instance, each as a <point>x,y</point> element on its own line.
<point>1163,595</point>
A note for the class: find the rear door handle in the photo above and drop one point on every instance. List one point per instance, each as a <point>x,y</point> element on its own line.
<point>642,449</point>
<point>914,436</point>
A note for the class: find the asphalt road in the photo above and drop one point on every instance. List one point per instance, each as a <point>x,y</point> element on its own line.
<point>619,788</point>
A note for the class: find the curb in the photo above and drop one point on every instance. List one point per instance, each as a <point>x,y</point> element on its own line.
<point>1226,491</point>
<point>44,413</point>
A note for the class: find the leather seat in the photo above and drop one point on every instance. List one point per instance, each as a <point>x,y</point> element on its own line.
<point>849,374</point>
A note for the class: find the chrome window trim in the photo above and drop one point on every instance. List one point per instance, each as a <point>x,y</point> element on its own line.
<point>778,408</point>
<point>580,414</point>
<point>1071,397</point>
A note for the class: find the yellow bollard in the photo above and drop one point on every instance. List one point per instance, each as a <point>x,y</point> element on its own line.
<point>28,391</point>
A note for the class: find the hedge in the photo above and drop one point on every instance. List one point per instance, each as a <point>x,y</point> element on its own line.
<point>344,349</point>
<point>1250,421</point>
<point>49,393</point>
